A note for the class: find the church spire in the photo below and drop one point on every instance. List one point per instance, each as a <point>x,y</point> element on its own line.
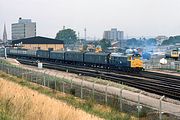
<point>4,34</point>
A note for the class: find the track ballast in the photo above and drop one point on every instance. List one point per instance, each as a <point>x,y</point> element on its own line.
<point>160,84</point>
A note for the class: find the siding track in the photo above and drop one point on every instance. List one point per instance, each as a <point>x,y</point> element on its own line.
<point>158,83</point>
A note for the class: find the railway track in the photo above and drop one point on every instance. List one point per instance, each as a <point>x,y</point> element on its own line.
<point>160,84</point>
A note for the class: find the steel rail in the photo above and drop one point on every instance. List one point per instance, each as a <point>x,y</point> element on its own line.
<point>158,86</point>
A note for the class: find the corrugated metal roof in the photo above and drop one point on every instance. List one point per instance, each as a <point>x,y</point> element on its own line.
<point>118,55</point>
<point>57,51</point>
<point>92,53</point>
<point>37,40</point>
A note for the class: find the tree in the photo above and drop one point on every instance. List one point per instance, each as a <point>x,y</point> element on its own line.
<point>135,42</point>
<point>172,40</point>
<point>105,44</point>
<point>85,47</point>
<point>67,35</point>
<point>151,42</point>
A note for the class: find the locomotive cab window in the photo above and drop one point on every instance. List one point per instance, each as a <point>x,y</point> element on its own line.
<point>129,58</point>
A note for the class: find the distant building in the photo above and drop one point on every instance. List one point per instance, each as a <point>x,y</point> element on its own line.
<point>178,45</point>
<point>113,35</point>
<point>4,34</point>
<point>23,29</point>
<point>43,43</point>
<point>160,39</point>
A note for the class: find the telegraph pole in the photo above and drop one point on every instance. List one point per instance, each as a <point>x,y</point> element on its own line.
<point>79,37</point>
<point>85,34</point>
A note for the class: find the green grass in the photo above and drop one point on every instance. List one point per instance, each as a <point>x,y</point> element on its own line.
<point>5,111</point>
<point>4,62</point>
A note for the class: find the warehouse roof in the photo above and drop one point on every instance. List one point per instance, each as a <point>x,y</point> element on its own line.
<point>37,40</point>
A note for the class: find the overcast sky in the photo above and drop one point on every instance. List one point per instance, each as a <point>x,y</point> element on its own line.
<point>134,17</point>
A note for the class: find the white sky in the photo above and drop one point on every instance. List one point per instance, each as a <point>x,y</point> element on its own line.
<point>134,17</point>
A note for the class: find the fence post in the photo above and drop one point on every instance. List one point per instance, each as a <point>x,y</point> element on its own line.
<point>1,64</point>
<point>81,89</point>
<point>139,107</point>
<point>3,67</point>
<point>55,83</point>
<point>14,71</point>
<point>160,107</point>
<point>7,70</point>
<point>31,77</point>
<point>36,78</point>
<point>22,77</point>
<point>120,98</point>
<point>19,72</point>
<point>26,74</point>
<point>106,94</point>
<point>63,77</point>
<point>48,82</point>
<point>44,80</point>
<point>48,79</point>
<point>63,86</point>
<point>71,83</point>
<point>93,88</point>
<point>10,70</point>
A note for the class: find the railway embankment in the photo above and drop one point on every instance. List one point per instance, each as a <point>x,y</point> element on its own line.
<point>129,97</point>
<point>18,102</point>
<point>28,101</point>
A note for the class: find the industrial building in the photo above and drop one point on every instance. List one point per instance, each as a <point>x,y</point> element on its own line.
<point>23,29</point>
<point>113,35</point>
<point>43,43</point>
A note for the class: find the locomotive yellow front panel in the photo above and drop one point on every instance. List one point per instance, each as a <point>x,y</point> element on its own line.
<point>136,63</point>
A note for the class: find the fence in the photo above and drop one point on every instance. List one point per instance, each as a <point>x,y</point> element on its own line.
<point>171,65</point>
<point>84,91</point>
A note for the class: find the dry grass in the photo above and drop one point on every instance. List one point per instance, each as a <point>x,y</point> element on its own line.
<point>26,104</point>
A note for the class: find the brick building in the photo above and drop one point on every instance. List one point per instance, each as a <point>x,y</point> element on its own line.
<point>43,43</point>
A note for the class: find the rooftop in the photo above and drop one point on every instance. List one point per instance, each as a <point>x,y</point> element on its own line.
<point>37,40</point>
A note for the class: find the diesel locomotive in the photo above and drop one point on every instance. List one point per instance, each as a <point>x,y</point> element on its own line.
<point>128,63</point>
<point>174,54</point>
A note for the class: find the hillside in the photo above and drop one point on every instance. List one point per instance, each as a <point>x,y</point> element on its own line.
<point>22,103</point>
